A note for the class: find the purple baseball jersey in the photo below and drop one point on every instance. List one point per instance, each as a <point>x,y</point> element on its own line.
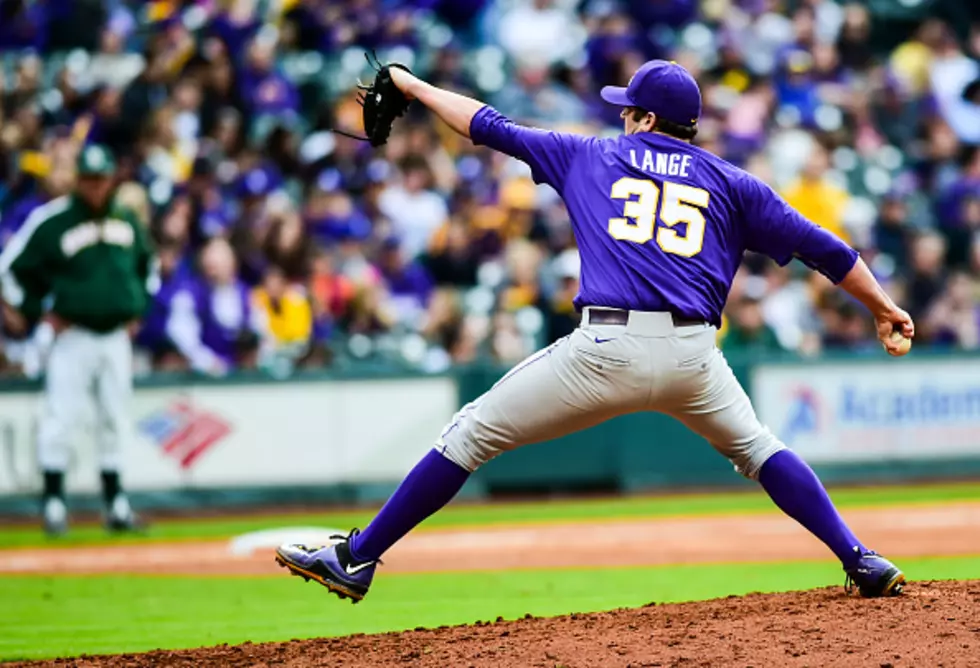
<point>661,225</point>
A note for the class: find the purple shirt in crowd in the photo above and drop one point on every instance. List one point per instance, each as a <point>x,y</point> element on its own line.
<point>661,224</point>
<point>153,330</point>
<point>219,334</point>
<point>206,323</point>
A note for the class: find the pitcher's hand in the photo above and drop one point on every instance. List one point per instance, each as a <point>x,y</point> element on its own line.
<point>894,320</point>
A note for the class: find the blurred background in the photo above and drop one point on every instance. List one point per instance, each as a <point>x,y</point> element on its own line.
<point>434,259</point>
<point>431,252</point>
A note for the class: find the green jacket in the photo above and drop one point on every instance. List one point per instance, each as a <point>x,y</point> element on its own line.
<point>95,272</point>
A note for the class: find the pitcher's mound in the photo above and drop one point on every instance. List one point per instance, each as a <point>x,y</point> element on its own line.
<point>932,624</point>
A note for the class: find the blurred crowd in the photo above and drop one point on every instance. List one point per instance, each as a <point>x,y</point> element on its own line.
<point>316,249</point>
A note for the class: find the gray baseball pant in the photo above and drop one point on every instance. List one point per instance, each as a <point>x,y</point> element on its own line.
<point>86,370</point>
<point>601,371</point>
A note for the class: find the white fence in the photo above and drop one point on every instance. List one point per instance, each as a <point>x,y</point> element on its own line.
<point>221,436</point>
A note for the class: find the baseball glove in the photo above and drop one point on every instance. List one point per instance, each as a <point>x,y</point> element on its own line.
<point>382,102</point>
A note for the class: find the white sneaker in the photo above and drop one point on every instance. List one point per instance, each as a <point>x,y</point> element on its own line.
<point>121,516</point>
<point>121,510</point>
<point>55,516</point>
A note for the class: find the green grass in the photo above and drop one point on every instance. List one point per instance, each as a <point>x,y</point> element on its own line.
<point>66,616</point>
<point>555,511</point>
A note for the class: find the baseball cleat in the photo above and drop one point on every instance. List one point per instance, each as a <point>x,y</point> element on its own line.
<point>874,576</point>
<point>55,517</point>
<point>120,518</point>
<point>332,566</point>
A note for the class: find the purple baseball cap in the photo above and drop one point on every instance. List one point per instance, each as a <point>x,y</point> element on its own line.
<point>663,88</point>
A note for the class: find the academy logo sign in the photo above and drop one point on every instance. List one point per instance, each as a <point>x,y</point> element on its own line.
<point>838,413</point>
<point>803,416</point>
<point>183,432</point>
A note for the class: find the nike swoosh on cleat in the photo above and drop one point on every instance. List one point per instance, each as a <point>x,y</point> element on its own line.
<point>354,570</point>
<point>598,340</point>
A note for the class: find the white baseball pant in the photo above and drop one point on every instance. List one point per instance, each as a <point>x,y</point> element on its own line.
<point>86,369</point>
<point>601,371</point>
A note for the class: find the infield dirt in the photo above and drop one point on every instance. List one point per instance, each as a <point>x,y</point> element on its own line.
<point>934,624</point>
<point>909,531</point>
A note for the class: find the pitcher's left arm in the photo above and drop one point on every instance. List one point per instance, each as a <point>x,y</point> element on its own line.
<point>549,154</point>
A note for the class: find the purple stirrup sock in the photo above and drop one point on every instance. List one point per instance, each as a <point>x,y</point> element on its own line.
<point>429,486</point>
<point>795,488</point>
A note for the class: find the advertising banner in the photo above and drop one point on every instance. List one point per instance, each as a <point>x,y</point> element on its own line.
<point>869,412</point>
<point>245,435</point>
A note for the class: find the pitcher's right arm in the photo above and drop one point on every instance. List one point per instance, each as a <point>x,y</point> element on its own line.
<point>776,229</point>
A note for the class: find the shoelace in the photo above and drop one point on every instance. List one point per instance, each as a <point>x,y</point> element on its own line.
<point>352,533</point>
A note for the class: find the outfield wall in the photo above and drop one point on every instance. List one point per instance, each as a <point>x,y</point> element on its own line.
<point>349,437</point>
<point>248,435</point>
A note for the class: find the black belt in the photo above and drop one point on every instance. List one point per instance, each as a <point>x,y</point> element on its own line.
<point>615,316</point>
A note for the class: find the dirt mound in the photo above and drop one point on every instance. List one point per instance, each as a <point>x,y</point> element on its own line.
<point>932,624</point>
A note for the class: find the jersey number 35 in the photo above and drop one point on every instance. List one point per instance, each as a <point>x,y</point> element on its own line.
<point>679,204</point>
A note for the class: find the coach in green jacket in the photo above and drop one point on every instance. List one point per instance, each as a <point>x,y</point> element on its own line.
<point>81,264</point>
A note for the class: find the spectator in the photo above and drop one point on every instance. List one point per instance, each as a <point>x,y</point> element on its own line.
<point>112,66</point>
<point>249,232</point>
<point>927,272</point>
<point>956,207</point>
<point>235,24</point>
<point>286,247</point>
<point>539,34</point>
<point>787,309</point>
<point>23,26</point>
<point>845,326</point>
<point>144,94</point>
<point>522,288</point>
<point>533,98</point>
<point>287,311</point>
<point>854,40</point>
<point>220,94</point>
<point>45,183</point>
<point>212,320</point>
<point>950,72</point>
<point>747,329</point>
<point>331,294</point>
<point>331,213</point>
<point>561,313</point>
<point>153,336</point>
<point>892,230</point>
<point>210,215</point>
<point>893,110</point>
<point>415,210</point>
<point>445,331</point>
<point>954,318</point>
<point>27,83</point>
<point>265,90</point>
<point>815,196</point>
<point>452,258</point>
<point>409,284</point>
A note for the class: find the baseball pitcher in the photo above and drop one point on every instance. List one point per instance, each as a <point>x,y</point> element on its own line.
<point>82,265</point>
<point>661,227</point>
